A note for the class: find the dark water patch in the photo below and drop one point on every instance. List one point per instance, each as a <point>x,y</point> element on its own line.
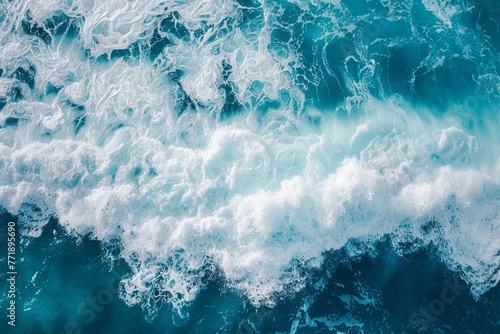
<point>401,67</point>
<point>487,13</point>
<point>11,121</point>
<point>15,94</point>
<point>280,36</point>
<point>60,280</point>
<point>65,282</point>
<point>32,28</point>
<point>251,14</point>
<point>385,292</point>
<point>51,89</point>
<point>61,25</point>
<point>405,50</point>
<point>303,34</point>
<point>66,285</point>
<point>78,123</point>
<point>121,53</point>
<point>26,74</point>
<point>357,8</point>
<point>171,25</point>
<point>58,26</point>
<point>251,18</point>
<point>76,107</point>
<point>175,75</point>
<point>156,45</point>
<point>323,82</point>
<point>267,105</point>
<point>231,104</point>
<point>183,101</point>
<point>447,84</point>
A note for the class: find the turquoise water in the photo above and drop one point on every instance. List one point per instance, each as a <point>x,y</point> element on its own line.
<point>62,279</point>
<point>245,166</point>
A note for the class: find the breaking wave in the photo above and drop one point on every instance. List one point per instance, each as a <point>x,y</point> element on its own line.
<point>246,139</point>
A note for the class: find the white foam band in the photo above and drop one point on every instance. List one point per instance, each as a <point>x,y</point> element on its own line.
<point>254,196</point>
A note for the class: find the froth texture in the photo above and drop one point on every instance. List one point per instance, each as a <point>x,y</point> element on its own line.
<point>248,139</point>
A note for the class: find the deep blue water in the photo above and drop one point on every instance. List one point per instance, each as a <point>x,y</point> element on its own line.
<point>235,166</point>
<point>61,278</point>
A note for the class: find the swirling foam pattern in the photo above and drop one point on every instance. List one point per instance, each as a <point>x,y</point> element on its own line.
<point>247,138</point>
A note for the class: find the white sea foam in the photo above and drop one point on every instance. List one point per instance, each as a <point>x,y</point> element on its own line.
<point>443,10</point>
<point>258,197</point>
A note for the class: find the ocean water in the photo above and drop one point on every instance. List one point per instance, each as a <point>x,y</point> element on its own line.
<point>251,167</point>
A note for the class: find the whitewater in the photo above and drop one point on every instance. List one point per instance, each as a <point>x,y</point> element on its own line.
<point>247,139</point>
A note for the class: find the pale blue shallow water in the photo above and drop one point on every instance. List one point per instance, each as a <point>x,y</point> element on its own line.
<point>243,166</point>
